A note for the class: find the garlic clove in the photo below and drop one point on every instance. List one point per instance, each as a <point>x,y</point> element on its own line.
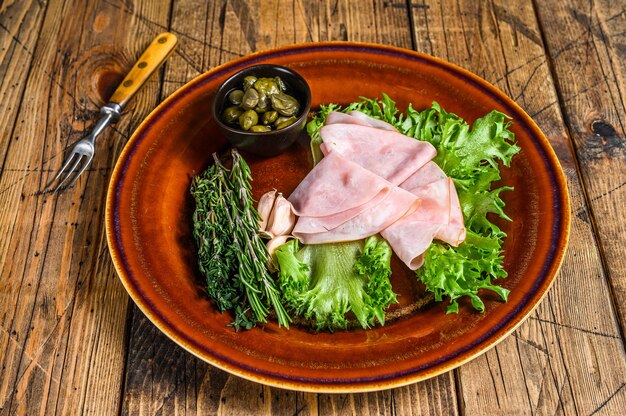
<point>264,208</point>
<point>282,219</point>
<point>272,245</point>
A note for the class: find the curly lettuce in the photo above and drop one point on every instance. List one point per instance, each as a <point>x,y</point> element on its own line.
<point>326,282</point>
<point>471,156</point>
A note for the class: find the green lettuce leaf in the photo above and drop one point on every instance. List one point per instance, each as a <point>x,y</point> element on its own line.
<point>472,156</point>
<point>313,129</point>
<point>324,282</point>
<point>464,270</point>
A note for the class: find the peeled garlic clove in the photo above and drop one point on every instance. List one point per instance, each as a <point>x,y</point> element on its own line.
<point>282,219</point>
<point>264,208</point>
<point>272,245</point>
<point>276,242</point>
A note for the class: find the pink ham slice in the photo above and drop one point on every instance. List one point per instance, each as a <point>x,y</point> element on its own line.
<point>335,117</point>
<point>454,232</point>
<point>388,154</point>
<point>311,225</point>
<point>371,221</point>
<point>409,239</point>
<point>425,175</point>
<point>376,180</point>
<point>438,217</point>
<point>435,206</point>
<point>359,118</point>
<point>440,205</point>
<point>336,185</point>
<point>374,122</point>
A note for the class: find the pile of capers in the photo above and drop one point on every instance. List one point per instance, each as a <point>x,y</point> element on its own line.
<point>262,105</point>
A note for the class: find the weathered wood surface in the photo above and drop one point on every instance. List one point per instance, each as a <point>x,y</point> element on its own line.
<point>70,341</point>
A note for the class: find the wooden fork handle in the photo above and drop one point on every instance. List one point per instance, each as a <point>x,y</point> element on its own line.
<point>159,50</point>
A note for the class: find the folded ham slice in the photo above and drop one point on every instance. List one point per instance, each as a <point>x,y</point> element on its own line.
<point>336,185</point>
<point>373,220</point>
<point>435,206</point>
<point>409,239</point>
<point>454,231</point>
<point>357,117</point>
<point>311,225</point>
<point>374,122</point>
<point>388,154</point>
<point>335,117</point>
<point>372,180</point>
<point>425,175</point>
<point>439,217</point>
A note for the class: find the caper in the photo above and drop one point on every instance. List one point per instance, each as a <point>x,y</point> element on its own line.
<point>281,84</point>
<point>231,114</point>
<point>250,99</point>
<point>235,97</point>
<point>260,129</point>
<point>249,81</point>
<point>266,86</point>
<point>279,120</point>
<point>286,123</point>
<point>285,104</point>
<point>264,104</point>
<point>269,117</point>
<point>248,119</point>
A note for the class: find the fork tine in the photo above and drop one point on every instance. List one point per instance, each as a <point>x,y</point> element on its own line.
<point>69,173</point>
<point>59,173</point>
<point>82,169</point>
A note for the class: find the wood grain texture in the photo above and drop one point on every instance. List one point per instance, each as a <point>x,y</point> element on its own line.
<point>536,370</point>
<point>19,24</point>
<point>71,344</point>
<point>64,312</point>
<point>586,43</point>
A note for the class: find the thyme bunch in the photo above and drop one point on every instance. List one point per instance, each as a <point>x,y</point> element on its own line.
<point>231,255</point>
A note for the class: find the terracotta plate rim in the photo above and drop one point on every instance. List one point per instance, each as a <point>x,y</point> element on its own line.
<point>499,332</point>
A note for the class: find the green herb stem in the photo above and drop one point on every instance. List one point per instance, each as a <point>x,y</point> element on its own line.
<point>231,254</point>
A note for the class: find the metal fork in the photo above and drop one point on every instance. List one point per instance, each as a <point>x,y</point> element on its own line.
<point>83,151</point>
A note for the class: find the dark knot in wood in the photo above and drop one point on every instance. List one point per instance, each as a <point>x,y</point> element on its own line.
<point>605,141</point>
<point>602,128</point>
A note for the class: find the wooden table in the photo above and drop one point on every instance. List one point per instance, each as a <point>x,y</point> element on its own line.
<point>71,341</point>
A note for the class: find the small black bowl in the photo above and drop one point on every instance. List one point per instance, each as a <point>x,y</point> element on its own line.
<point>269,143</point>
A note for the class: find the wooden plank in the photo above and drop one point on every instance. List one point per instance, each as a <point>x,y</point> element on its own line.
<point>19,25</point>
<point>64,311</point>
<point>168,379</point>
<point>548,364</point>
<point>587,47</point>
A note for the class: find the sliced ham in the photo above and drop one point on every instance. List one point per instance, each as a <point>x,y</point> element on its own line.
<point>311,225</point>
<point>388,154</point>
<point>336,185</point>
<point>435,197</point>
<point>439,217</point>
<point>425,175</point>
<point>335,117</point>
<point>359,118</point>
<point>409,239</point>
<point>454,231</point>
<point>372,180</point>
<point>371,221</point>
<point>374,122</point>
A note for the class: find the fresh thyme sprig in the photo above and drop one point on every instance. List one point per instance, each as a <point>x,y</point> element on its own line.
<point>231,254</point>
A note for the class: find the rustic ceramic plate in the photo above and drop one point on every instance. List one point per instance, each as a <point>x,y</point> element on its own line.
<point>149,227</point>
